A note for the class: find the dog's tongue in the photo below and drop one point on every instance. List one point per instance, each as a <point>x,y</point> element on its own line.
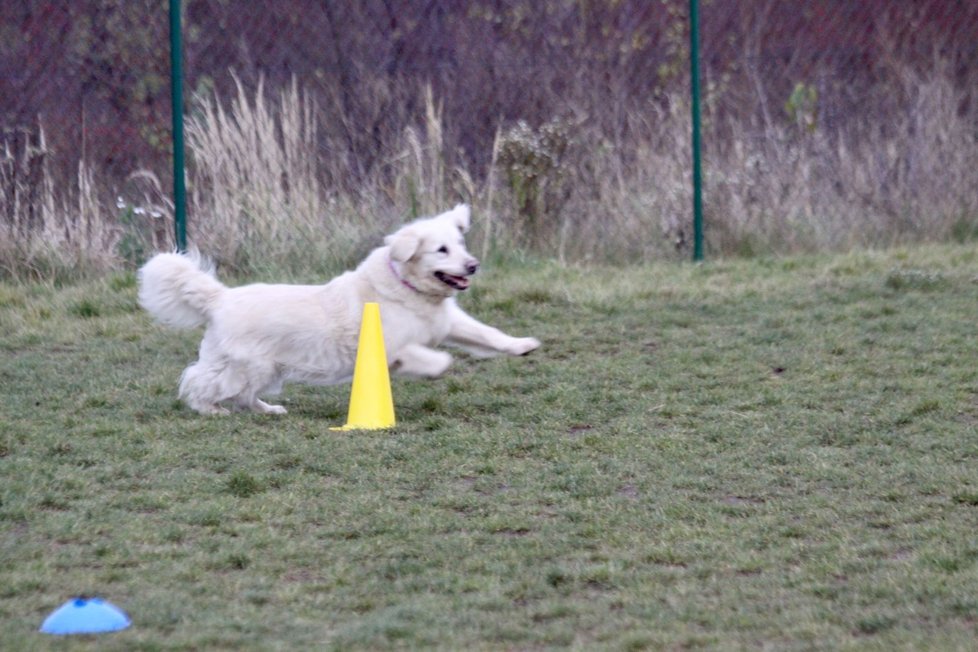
<point>455,282</point>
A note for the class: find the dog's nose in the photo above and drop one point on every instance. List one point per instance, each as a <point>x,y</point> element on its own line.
<point>472,266</point>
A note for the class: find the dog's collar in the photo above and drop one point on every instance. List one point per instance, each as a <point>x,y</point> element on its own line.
<point>406,283</point>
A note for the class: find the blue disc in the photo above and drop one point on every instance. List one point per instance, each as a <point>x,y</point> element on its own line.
<point>85,616</point>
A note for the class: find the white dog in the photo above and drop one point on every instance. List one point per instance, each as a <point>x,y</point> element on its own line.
<point>259,336</point>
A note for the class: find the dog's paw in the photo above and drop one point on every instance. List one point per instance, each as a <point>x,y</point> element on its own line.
<point>523,345</point>
<point>211,409</point>
<point>437,366</point>
<point>265,408</point>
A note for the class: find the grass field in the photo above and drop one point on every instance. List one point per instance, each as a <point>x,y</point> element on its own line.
<point>767,454</point>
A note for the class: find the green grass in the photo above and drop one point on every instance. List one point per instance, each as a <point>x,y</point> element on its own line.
<point>775,454</point>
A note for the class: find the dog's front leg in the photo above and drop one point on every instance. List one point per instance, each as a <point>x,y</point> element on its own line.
<point>482,339</point>
<point>418,360</point>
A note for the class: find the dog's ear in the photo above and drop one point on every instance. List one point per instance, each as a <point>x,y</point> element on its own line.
<point>404,243</point>
<point>459,217</point>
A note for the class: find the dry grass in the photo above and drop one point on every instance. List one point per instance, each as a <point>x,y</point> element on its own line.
<point>254,177</point>
<point>877,183</point>
<point>264,193</point>
<point>49,229</point>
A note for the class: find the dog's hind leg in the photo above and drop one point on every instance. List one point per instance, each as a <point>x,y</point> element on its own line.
<point>261,406</point>
<point>197,387</point>
<point>209,408</point>
<point>257,379</point>
<point>255,404</point>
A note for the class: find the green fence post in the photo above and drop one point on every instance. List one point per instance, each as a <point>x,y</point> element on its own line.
<point>176,96</point>
<point>694,63</point>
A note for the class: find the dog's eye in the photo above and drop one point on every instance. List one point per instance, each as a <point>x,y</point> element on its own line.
<point>443,249</point>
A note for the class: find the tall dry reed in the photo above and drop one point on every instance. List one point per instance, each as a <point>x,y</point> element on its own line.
<point>50,228</point>
<point>266,197</point>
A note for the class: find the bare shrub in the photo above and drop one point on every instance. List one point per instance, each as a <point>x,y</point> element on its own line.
<point>535,166</point>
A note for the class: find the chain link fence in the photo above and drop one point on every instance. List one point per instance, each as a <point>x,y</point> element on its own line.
<point>314,126</point>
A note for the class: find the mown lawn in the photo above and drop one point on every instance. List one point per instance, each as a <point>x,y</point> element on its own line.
<point>775,454</point>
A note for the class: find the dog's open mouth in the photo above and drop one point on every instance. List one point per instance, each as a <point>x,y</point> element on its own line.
<point>456,282</point>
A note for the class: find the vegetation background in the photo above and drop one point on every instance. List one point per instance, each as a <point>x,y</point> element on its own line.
<point>769,451</point>
<point>565,124</point>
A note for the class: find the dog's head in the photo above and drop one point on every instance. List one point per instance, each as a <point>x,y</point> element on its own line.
<point>431,253</point>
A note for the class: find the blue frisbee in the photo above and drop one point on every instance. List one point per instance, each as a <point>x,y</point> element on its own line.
<point>85,616</point>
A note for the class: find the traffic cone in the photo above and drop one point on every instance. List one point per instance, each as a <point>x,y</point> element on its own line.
<point>371,403</point>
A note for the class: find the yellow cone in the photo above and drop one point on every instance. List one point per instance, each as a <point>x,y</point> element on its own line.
<point>371,403</point>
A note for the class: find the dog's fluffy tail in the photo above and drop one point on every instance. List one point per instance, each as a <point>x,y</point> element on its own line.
<point>179,290</point>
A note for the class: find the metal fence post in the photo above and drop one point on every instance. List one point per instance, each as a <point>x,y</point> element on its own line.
<point>176,96</point>
<point>694,64</point>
